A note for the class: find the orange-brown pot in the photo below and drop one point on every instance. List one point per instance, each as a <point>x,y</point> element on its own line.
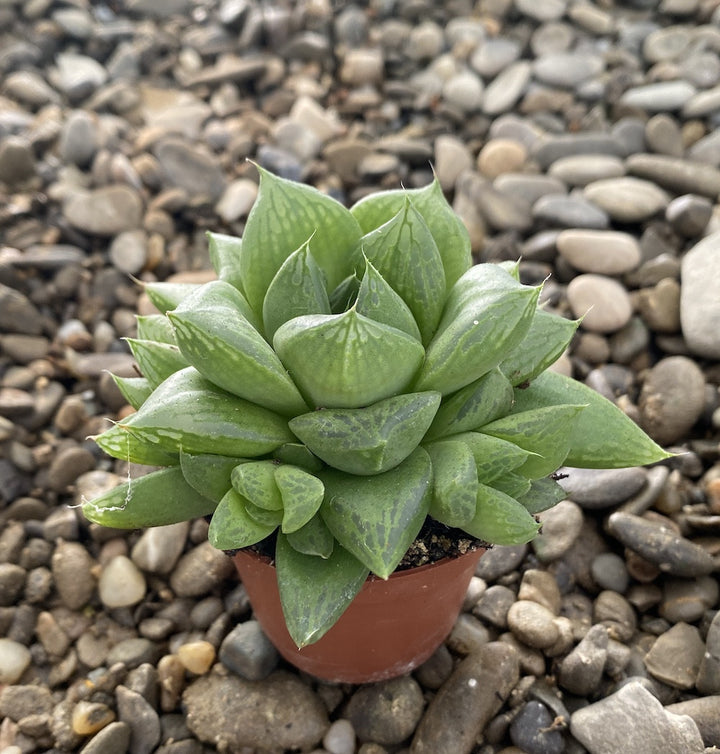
<point>389,629</point>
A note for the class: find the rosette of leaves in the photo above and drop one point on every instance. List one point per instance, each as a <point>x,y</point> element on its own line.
<point>349,374</point>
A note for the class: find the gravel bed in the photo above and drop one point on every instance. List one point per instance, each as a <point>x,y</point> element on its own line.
<point>581,136</point>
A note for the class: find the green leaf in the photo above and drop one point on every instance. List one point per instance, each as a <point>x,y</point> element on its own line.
<point>480,402</point>
<point>343,297</point>
<point>500,519</point>
<point>487,314</point>
<point>166,296</point>
<point>263,516</point>
<point>603,437</point>
<point>368,440</point>
<point>543,494</point>
<point>256,482</point>
<point>119,443</point>
<point>347,360</point>
<point>135,390</point>
<point>493,456</point>
<point>449,232</point>
<point>545,431</point>
<point>187,412</point>
<point>544,343</point>
<point>406,255</point>
<point>225,254</point>
<point>157,361</point>
<point>155,327</point>
<point>314,538</point>
<point>283,217</point>
<point>455,482</point>
<point>377,300</point>
<point>298,288</point>
<point>315,592</point>
<point>231,528</point>
<point>296,454</point>
<point>156,499</point>
<point>514,485</point>
<point>377,517</point>
<point>222,344</point>
<point>209,474</point>
<point>511,267</point>
<point>302,494</point>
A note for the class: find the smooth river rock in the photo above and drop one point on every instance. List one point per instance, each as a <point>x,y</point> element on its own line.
<point>605,252</point>
<point>700,297</point>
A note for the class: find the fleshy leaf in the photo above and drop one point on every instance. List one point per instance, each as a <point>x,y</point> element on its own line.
<point>283,217</point>
<point>156,499</point>
<point>256,482</point>
<point>368,440</point>
<point>603,437</point>
<point>302,494</point>
<point>314,538</point>
<point>455,482</point>
<point>187,412</point>
<point>157,361</point>
<point>343,297</point>
<point>493,456</point>
<point>232,528</point>
<point>514,485</point>
<point>544,343</point>
<point>480,402</point>
<point>225,254</point>
<point>297,454</point>
<point>406,255</point>
<point>486,316</point>
<point>346,360</point>
<point>450,234</point>
<point>222,344</point>
<point>135,390</point>
<point>544,431</point>
<point>376,518</point>
<point>165,296</point>
<point>155,327</point>
<point>500,519</point>
<point>209,474</point>
<point>543,494</point>
<point>298,288</point>
<point>263,516</point>
<point>315,592</point>
<point>377,300</point>
<point>119,443</point>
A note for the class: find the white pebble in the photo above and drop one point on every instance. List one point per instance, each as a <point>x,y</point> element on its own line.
<point>14,660</point>
<point>121,583</point>
<point>340,738</point>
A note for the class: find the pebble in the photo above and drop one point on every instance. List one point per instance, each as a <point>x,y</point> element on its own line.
<point>464,91</point>
<point>627,199</point>
<point>500,156</point>
<point>676,655</point>
<point>467,701</point>
<point>566,69</point>
<point>708,678</point>
<point>114,737</point>
<point>581,671</point>
<point>687,600</point>
<point>191,168</point>
<point>579,170</point>
<point>561,527</point>
<point>705,713</point>
<point>610,572</point>
<point>90,717</point>
<point>699,305</point>
<point>387,712</point>
<point>506,88</point>
<point>493,605</point>
<point>159,547</point>
<point>121,583</point>
<point>200,570</point>
<point>72,574</point>
<point>605,252</point>
<point>14,660</point>
<point>17,162</point>
<point>659,97</point>
<point>247,651</point>
<point>129,251</point>
<point>242,713</point>
<point>105,211</point>
<point>689,214</point>
<point>569,212</point>
<point>452,157</point>
<point>594,489</point>
<point>532,731</point>
<point>142,719</point>
<point>602,302</point>
<point>533,624</point>
<point>79,139</point>
<point>632,719</point>
<point>661,546</point>
<point>340,738</point>
<point>672,399</point>
<point>676,174</point>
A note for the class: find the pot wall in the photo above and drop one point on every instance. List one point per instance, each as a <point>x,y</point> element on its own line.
<point>389,629</point>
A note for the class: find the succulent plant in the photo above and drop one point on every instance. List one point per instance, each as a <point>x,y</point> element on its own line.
<point>349,374</point>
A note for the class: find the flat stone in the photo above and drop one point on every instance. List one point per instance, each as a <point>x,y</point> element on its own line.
<point>14,660</point>
<point>142,719</point>
<point>527,186</point>
<point>632,719</point>
<point>464,90</point>
<point>659,97</point>
<point>549,10</point>
<point>199,570</point>
<point>105,211</point>
<point>601,488</point>
<point>689,214</point>
<point>605,252</point>
<point>121,583</point>
<point>579,170</point>
<point>681,176</point>
<point>247,652</point>
<point>561,527</point>
<point>467,701</point>
<point>551,148</point>
<point>532,624</point>
<point>669,43</point>
<point>708,678</point>
<point>452,157</point>
<point>494,56</point>
<point>686,600</point>
<point>189,167</point>
<point>699,300</point>
<point>532,730</point>
<point>500,156</point>
<point>569,212</point>
<point>676,655</point>
<point>663,135</point>
<point>112,738</point>
<point>71,569</point>
<point>159,547</point>
<point>507,88</point>
<point>567,69</point>
<point>627,199</point>
<point>241,713</point>
<point>17,161</point>
<point>705,712</point>
<point>602,301</point>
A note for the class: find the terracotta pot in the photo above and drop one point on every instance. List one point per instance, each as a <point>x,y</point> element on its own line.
<point>389,629</point>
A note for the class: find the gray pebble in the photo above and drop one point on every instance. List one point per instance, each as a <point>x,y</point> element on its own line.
<point>708,678</point>
<point>467,635</point>
<point>627,199</point>
<point>494,56</point>
<point>12,583</point>
<point>241,713</point>
<point>561,526</point>
<point>71,570</point>
<point>616,613</point>
<point>603,303</point>
<point>551,148</point>
<point>78,139</point>
<point>569,212</point>
<point>141,718</point>
<point>134,652</point>
<point>386,713</point>
<point>581,671</point>
<point>18,314</point>
<point>579,170</point>
<point>705,712</point>
<point>531,730</point>
<point>189,167</point>
<point>17,702</point>
<point>659,97</point>
<point>594,489</point>
<point>699,302</point>
<point>340,738</point>
<point>676,655</point>
<point>469,699</point>
<point>661,546</point>
<point>609,572</point>
<point>687,600</point>
<point>527,186</point>
<point>493,605</point>
<point>689,214</point>
<point>17,162</point>
<point>247,651</point>
<point>676,174</point>
<point>506,88</point>
<point>567,69</point>
<point>533,624</point>
<point>663,135</point>
<point>199,570</point>
<point>112,739</point>
<point>104,211</point>
<point>672,399</point>
<point>435,670</point>
<point>158,549</point>
<point>632,719</point>
<point>67,466</point>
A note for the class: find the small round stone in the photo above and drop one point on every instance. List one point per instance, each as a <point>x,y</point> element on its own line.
<point>533,624</point>
<point>340,738</point>
<point>197,656</point>
<point>602,302</point>
<point>609,572</point>
<point>121,583</point>
<point>501,156</point>
<point>605,252</point>
<point>14,660</point>
<point>90,717</point>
